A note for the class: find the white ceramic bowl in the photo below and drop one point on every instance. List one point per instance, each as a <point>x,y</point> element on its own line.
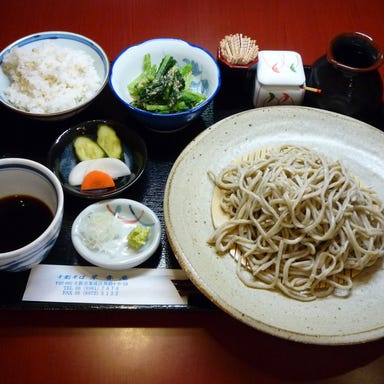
<point>123,215</point>
<point>26,177</point>
<point>129,64</point>
<point>65,40</point>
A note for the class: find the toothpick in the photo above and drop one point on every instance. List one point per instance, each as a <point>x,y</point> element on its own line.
<point>312,89</point>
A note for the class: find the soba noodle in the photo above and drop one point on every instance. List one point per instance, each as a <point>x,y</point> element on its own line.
<point>299,223</point>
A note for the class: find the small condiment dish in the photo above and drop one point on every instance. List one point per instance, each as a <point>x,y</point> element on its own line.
<point>100,233</point>
<point>62,157</point>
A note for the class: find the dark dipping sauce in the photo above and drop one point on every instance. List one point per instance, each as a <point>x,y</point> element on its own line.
<point>23,219</point>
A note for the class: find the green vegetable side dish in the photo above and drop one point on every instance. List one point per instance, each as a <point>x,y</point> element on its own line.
<point>138,236</point>
<point>164,89</point>
<point>107,144</point>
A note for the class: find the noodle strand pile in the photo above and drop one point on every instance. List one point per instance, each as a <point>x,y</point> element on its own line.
<point>299,222</point>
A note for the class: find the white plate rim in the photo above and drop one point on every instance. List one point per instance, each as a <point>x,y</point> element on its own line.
<point>227,140</point>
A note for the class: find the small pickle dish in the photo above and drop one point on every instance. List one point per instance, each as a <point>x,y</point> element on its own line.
<point>97,159</point>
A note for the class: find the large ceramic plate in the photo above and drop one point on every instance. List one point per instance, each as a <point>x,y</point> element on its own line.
<point>187,208</point>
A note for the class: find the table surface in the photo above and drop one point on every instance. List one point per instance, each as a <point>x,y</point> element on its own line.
<point>161,346</point>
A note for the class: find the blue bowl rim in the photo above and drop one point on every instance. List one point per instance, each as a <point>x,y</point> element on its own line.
<point>167,115</point>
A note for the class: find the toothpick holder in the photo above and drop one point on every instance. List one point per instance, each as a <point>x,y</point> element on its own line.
<point>236,83</point>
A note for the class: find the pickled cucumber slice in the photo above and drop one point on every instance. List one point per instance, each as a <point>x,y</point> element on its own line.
<point>87,149</point>
<point>109,141</point>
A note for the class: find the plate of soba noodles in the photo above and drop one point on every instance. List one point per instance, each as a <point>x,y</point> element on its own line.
<point>277,216</point>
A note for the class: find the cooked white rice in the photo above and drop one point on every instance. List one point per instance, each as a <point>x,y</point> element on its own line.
<point>49,78</point>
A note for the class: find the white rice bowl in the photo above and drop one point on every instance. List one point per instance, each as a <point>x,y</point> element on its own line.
<point>52,74</point>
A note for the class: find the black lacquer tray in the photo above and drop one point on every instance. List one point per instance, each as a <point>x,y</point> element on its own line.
<point>21,137</point>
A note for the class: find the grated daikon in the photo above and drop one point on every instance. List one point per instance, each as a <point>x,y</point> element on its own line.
<point>99,230</point>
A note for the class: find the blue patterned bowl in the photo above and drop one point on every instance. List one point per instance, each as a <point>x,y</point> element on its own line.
<point>129,64</point>
<point>29,178</point>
